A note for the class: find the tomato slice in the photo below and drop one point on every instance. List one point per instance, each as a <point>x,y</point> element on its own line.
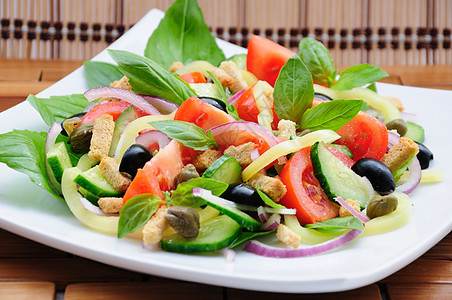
<point>265,58</point>
<point>143,183</point>
<point>365,136</point>
<point>113,108</point>
<point>201,113</point>
<point>303,189</point>
<point>193,77</point>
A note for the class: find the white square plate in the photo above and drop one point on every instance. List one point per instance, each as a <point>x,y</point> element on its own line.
<point>28,211</point>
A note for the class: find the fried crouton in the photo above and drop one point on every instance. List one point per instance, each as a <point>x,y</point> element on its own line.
<point>154,228</point>
<point>400,153</point>
<point>223,77</point>
<point>110,168</point>
<point>122,83</point>
<point>234,72</point>
<point>343,212</point>
<point>286,129</point>
<point>110,205</point>
<point>273,187</point>
<point>204,159</point>
<point>102,137</point>
<point>288,236</point>
<point>241,153</point>
<point>176,66</point>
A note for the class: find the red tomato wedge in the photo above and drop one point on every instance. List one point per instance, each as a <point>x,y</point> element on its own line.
<point>303,189</point>
<point>113,108</point>
<point>143,183</point>
<point>265,58</point>
<point>365,136</point>
<point>193,77</point>
<point>201,113</point>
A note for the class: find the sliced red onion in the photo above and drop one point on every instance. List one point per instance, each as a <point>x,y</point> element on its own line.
<point>236,96</point>
<point>408,116</point>
<point>228,254</point>
<point>153,140</point>
<point>393,138</point>
<point>92,208</point>
<point>125,95</point>
<point>254,154</point>
<point>415,178</point>
<point>270,251</point>
<point>351,210</point>
<point>272,222</point>
<point>263,216</point>
<point>52,135</point>
<point>162,105</point>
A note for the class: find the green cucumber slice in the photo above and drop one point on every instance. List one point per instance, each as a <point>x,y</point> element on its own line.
<point>89,196</point>
<point>336,179</point>
<point>224,207</point>
<point>240,60</point>
<point>214,234</point>
<point>58,160</point>
<point>225,169</point>
<point>128,115</point>
<point>95,182</point>
<point>415,132</point>
<point>206,90</point>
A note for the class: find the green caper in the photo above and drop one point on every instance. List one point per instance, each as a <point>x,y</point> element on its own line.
<point>399,125</point>
<point>187,173</point>
<point>381,205</point>
<point>184,220</point>
<point>80,138</point>
<point>70,123</point>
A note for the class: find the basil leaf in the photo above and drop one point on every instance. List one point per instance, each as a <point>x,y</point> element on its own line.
<point>372,87</point>
<point>267,200</point>
<point>58,108</point>
<point>294,90</point>
<point>248,235</point>
<point>186,133</point>
<point>357,76</point>
<point>100,74</point>
<point>229,107</point>
<point>183,194</point>
<point>148,77</point>
<point>23,151</point>
<point>136,212</point>
<point>182,35</point>
<point>318,60</point>
<point>330,115</point>
<point>338,223</point>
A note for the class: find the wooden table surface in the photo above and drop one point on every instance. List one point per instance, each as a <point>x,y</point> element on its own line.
<point>29,270</point>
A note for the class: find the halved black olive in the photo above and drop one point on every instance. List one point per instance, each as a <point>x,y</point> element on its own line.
<point>243,194</point>
<point>79,115</point>
<point>322,96</point>
<point>134,158</point>
<point>214,102</point>
<point>424,156</point>
<point>379,175</point>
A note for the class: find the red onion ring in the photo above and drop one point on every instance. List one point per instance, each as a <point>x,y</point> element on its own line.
<point>153,140</point>
<point>263,216</point>
<point>270,251</point>
<point>162,105</point>
<point>408,116</point>
<point>351,210</point>
<point>91,207</point>
<point>228,254</point>
<point>272,222</point>
<point>125,95</point>
<point>52,135</point>
<point>236,96</point>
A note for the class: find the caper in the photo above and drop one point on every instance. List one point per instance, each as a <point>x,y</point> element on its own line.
<point>399,125</point>
<point>187,173</point>
<point>67,126</point>
<point>184,220</point>
<point>381,205</point>
<point>80,138</point>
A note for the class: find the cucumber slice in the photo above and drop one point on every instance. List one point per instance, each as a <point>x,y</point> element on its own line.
<point>343,149</point>
<point>415,132</point>
<point>337,179</point>
<point>206,90</point>
<point>224,207</point>
<point>215,234</point>
<point>239,60</point>
<point>89,196</point>
<point>95,182</point>
<point>58,160</point>
<point>85,162</point>
<point>128,115</point>
<point>225,169</point>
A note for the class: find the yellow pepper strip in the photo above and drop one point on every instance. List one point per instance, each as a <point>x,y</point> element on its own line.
<point>431,176</point>
<point>309,236</point>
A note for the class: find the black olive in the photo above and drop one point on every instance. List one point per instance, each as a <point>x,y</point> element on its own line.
<point>243,194</point>
<point>322,96</point>
<point>377,172</point>
<point>424,156</point>
<point>134,158</point>
<point>214,102</point>
<point>79,115</point>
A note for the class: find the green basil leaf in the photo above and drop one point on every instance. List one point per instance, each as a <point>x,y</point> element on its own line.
<point>358,75</point>
<point>338,223</point>
<point>229,107</point>
<point>100,74</point>
<point>23,151</point>
<point>58,108</point>
<point>294,91</point>
<point>186,133</point>
<point>148,77</point>
<point>267,200</point>
<point>330,115</point>
<point>136,212</point>
<point>372,87</point>
<point>318,60</point>
<point>248,235</point>
<point>183,194</point>
<point>183,35</point>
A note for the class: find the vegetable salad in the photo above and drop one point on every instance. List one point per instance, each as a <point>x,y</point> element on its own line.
<point>186,149</point>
